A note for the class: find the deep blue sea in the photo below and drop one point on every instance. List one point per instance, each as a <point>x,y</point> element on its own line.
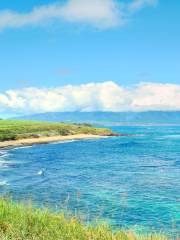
<point>129,181</point>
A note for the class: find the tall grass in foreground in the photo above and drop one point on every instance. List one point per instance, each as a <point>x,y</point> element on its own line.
<point>20,222</point>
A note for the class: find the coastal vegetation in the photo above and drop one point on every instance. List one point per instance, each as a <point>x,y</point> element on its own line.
<point>20,222</point>
<point>22,129</point>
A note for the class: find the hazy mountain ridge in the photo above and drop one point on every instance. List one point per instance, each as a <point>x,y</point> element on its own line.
<point>115,118</point>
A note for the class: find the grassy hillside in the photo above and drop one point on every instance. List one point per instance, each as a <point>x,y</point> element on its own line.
<point>19,129</point>
<point>18,222</point>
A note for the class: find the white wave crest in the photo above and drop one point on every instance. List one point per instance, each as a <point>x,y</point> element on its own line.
<point>67,141</point>
<point>3,183</point>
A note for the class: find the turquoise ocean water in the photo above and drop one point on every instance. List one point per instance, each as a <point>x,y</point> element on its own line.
<point>129,181</point>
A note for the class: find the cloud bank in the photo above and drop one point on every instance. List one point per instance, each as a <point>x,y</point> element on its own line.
<point>100,14</point>
<point>107,96</point>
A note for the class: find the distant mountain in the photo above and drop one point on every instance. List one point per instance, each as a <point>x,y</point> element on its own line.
<point>112,118</point>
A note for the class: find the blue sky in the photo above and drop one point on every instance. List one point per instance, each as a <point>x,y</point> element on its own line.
<point>50,54</point>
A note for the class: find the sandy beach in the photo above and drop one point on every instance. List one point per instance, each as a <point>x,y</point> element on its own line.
<point>44,140</point>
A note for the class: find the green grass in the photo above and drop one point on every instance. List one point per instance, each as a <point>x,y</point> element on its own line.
<point>18,129</point>
<point>20,222</point>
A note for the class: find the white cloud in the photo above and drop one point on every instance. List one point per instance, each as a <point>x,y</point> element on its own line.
<point>97,13</point>
<point>100,13</point>
<point>156,97</point>
<point>107,96</point>
<point>137,5</point>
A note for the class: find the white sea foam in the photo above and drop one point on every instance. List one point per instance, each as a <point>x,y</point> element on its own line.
<point>2,162</point>
<point>5,163</point>
<point>67,141</point>
<point>21,147</point>
<point>3,153</point>
<point>40,172</point>
<point>3,183</point>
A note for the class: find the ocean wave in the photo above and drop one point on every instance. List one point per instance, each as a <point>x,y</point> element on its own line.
<point>4,164</point>
<point>66,141</point>
<point>3,183</point>
<point>175,136</point>
<point>3,161</point>
<point>3,153</point>
<point>41,172</point>
<point>22,147</point>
